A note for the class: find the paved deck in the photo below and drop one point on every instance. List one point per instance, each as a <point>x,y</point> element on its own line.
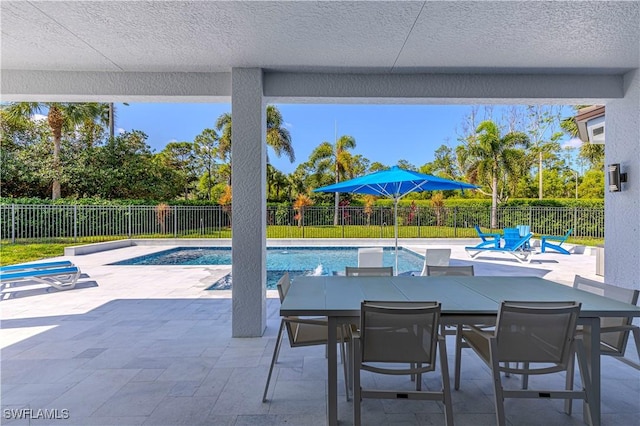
<point>136,345</point>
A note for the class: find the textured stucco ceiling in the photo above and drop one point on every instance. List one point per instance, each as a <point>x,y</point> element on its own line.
<point>397,36</point>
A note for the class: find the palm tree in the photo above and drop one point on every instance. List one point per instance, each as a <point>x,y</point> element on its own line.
<point>337,158</point>
<point>495,155</point>
<point>61,117</point>
<point>278,137</point>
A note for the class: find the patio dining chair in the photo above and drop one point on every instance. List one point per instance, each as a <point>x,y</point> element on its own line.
<point>392,335</point>
<point>614,332</point>
<point>384,271</point>
<point>541,336</point>
<point>435,257</point>
<point>303,332</point>
<point>370,257</point>
<point>461,271</point>
<point>467,271</point>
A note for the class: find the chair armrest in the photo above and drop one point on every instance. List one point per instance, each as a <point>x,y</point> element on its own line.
<point>310,321</point>
<point>552,238</point>
<point>480,331</point>
<point>492,235</point>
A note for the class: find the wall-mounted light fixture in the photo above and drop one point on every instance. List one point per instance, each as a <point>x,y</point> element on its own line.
<point>616,178</point>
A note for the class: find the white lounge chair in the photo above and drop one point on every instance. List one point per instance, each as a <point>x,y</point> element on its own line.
<point>435,257</point>
<point>61,278</point>
<point>370,257</point>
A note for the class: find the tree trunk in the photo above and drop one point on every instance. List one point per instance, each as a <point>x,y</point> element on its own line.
<point>494,202</point>
<point>540,175</point>
<point>57,170</point>
<point>337,198</point>
<point>111,120</point>
<point>55,119</point>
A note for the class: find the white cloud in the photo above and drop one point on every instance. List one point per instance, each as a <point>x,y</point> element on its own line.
<point>288,125</point>
<point>38,117</point>
<point>572,143</point>
<point>120,130</point>
<point>172,140</point>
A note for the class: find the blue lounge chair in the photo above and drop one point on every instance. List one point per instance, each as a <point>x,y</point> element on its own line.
<point>36,266</point>
<point>558,240</point>
<point>488,240</point>
<point>62,278</point>
<point>514,245</point>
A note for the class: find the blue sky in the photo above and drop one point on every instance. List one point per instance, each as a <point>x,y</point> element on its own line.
<point>384,133</point>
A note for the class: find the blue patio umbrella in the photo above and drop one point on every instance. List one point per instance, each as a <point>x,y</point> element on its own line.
<point>395,183</point>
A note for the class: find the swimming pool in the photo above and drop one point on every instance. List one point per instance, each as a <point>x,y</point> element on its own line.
<point>295,260</point>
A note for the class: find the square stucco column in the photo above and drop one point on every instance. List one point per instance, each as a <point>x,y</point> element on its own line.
<point>249,158</point>
<point>622,218</point>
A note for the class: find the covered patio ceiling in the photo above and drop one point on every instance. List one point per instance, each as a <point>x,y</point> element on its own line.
<point>536,37</point>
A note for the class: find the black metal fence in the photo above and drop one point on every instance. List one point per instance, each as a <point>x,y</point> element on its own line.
<point>45,223</point>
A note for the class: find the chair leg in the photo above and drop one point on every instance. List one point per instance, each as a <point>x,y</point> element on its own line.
<point>525,377</point>
<point>357,399</point>
<point>586,380</point>
<point>446,390</point>
<point>497,385</point>
<point>418,377</point>
<point>568,404</point>
<point>344,362</point>
<point>458,360</point>
<point>274,359</point>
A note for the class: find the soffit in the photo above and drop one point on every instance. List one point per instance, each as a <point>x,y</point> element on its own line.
<point>301,36</point>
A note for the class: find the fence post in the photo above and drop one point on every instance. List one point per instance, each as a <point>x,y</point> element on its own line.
<point>175,221</point>
<point>75,223</point>
<point>418,220</point>
<point>455,222</point>
<point>129,222</point>
<point>13,223</point>
<point>381,221</point>
<point>342,221</point>
<point>530,218</point>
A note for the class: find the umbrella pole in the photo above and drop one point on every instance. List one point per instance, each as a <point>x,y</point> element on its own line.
<point>395,214</point>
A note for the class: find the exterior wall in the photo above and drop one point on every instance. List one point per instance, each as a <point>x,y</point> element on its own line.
<point>622,220</point>
<point>249,177</point>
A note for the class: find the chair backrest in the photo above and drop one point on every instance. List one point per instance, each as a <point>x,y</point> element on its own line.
<point>370,257</point>
<point>510,235</point>
<point>524,230</point>
<point>435,257</point>
<point>464,271</point>
<point>513,241</point>
<point>613,343</point>
<point>385,271</point>
<point>283,286</point>
<point>537,332</point>
<point>399,332</point>
<point>481,234</point>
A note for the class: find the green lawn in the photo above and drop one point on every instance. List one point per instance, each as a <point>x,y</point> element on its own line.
<point>19,253</point>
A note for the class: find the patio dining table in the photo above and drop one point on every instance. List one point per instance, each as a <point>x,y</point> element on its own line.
<point>465,300</point>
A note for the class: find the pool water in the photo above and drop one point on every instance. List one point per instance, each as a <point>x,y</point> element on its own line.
<point>295,260</point>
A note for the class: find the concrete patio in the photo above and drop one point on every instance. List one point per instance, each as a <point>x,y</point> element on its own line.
<point>136,345</point>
